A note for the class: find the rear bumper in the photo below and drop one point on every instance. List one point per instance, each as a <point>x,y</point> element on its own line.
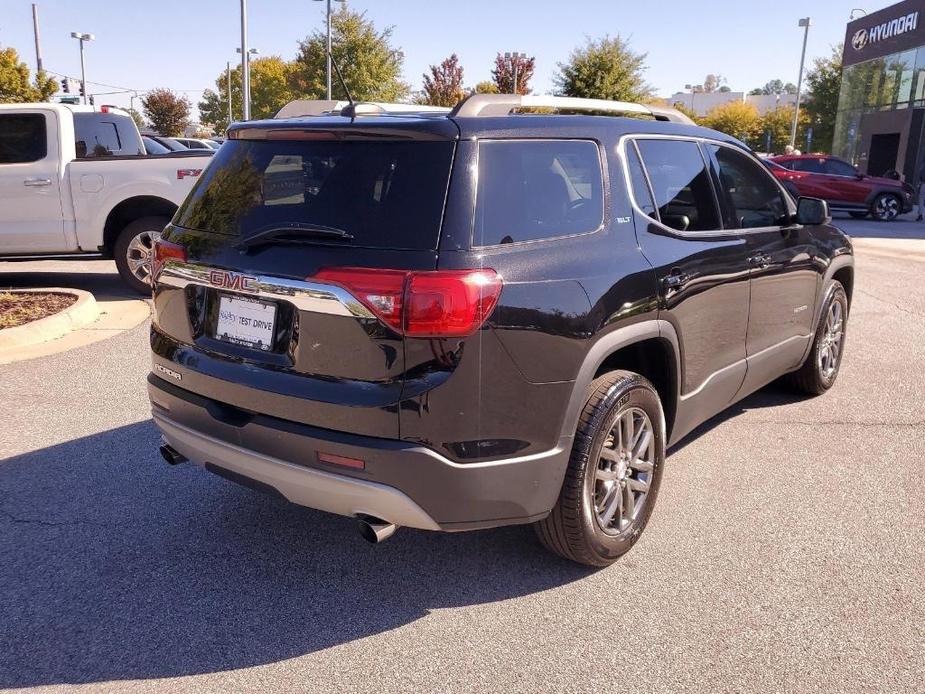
<point>401,483</point>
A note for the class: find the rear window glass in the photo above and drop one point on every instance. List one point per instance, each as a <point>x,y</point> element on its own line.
<point>384,194</point>
<point>22,138</point>
<point>537,190</point>
<point>97,135</point>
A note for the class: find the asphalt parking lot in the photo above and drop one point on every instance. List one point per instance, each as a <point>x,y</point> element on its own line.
<point>785,553</point>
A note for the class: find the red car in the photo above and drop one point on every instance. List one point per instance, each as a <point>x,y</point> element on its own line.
<point>844,187</point>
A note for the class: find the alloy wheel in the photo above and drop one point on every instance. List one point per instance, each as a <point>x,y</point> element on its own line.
<point>139,255</point>
<point>887,207</point>
<point>829,349</point>
<point>624,471</point>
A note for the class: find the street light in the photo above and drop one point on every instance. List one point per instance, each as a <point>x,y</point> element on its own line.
<point>328,52</point>
<point>806,22</point>
<point>245,80</point>
<point>851,16</point>
<point>245,66</point>
<point>693,89</point>
<point>514,59</point>
<point>82,37</point>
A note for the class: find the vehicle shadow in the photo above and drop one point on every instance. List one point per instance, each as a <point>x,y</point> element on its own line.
<point>99,277</point>
<point>118,567</point>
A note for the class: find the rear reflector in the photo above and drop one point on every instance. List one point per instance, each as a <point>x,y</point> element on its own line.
<point>438,303</point>
<point>332,459</point>
<point>164,251</point>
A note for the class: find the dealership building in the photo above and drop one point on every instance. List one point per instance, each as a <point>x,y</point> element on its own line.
<point>881,106</point>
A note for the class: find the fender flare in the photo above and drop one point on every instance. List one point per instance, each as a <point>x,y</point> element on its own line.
<point>602,348</point>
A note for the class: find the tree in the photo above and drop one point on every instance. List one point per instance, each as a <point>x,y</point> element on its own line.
<point>443,86</point>
<point>370,64</point>
<point>737,118</point>
<point>271,89</point>
<point>713,83</point>
<point>778,123</point>
<point>14,81</point>
<point>167,112</point>
<point>503,74</point>
<point>823,81</point>
<point>683,108</point>
<point>604,69</point>
<point>486,87</point>
<point>775,87</point>
<point>137,117</point>
<point>725,89</point>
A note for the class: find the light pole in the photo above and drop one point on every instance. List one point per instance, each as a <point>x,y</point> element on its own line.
<point>328,52</point>
<point>228,80</point>
<point>514,59</point>
<point>245,66</point>
<point>245,82</point>
<point>806,22</point>
<point>693,89</point>
<point>83,69</point>
<point>851,16</point>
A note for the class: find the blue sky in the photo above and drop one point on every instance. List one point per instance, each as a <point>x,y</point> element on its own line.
<point>183,45</point>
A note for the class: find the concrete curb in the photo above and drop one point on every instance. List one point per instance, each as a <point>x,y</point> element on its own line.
<point>82,312</point>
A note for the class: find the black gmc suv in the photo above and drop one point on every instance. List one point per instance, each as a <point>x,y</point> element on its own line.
<point>462,320</point>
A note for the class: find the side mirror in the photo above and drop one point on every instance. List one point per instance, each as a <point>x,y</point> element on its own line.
<point>812,211</point>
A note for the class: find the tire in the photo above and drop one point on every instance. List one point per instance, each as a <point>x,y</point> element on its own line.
<point>574,529</point>
<point>886,207</point>
<point>859,215</point>
<point>818,373</point>
<point>132,251</point>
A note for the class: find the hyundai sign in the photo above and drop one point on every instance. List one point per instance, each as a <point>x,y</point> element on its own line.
<point>892,30</point>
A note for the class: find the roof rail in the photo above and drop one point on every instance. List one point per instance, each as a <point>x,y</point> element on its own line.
<point>324,107</point>
<point>505,104</point>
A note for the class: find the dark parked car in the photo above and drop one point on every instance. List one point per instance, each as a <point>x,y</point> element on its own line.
<point>167,142</point>
<point>844,187</point>
<point>482,318</point>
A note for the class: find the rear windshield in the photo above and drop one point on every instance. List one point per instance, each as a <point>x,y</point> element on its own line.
<point>384,194</point>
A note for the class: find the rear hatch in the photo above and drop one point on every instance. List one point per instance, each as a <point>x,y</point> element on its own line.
<point>246,308</point>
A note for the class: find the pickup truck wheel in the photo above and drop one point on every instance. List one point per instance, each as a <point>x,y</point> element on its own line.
<point>613,474</point>
<point>133,250</point>
<point>886,207</point>
<point>819,371</point>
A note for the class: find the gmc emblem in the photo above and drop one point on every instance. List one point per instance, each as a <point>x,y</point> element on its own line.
<point>233,281</point>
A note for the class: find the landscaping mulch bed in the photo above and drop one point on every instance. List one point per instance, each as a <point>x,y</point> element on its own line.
<point>20,308</point>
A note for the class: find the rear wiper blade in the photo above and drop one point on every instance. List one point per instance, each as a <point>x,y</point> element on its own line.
<point>294,233</point>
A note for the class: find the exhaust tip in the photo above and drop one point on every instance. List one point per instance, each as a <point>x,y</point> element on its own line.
<point>171,454</point>
<point>375,530</point>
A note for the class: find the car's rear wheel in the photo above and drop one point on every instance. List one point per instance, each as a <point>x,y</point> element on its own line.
<point>133,250</point>
<point>886,207</point>
<point>819,371</point>
<point>859,215</point>
<point>613,475</point>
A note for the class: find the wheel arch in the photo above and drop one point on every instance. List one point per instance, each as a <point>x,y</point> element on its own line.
<point>650,348</point>
<point>128,211</point>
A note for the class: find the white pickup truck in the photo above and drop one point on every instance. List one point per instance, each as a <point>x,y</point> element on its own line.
<point>76,181</point>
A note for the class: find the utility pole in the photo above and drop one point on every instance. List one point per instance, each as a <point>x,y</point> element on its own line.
<point>806,22</point>
<point>245,66</point>
<point>82,37</point>
<point>328,53</point>
<point>38,47</point>
<point>228,79</point>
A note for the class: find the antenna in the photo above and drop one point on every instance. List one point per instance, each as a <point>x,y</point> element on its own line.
<point>342,81</point>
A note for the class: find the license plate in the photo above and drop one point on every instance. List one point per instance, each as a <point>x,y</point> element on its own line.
<point>246,322</point>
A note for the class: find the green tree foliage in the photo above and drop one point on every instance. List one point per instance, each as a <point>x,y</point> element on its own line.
<point>775,87</point>
<point>486,87</point>
<point>15,87</point>
<point>713,83</point>
<point>443,86</point>
<point>605,68</point>
<point>503,74</point>
<point>137,117</point>
<point>778,122</point>
<point>167,112</point>
<point>370,64</point>
<point>823,81</point>
<point>271,89</point>
<point>736,118</point>
<point>682,107</point>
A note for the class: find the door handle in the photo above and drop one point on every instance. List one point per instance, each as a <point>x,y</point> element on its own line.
<point>675,280</point>
<point>36,182</point>
<point>759,261</point>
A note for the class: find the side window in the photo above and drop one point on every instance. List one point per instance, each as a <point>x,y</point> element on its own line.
<point>748,190</point>
<point>808,165</point>
<point>837,167</point>
<point>641,193</point>
<point>95,137</point>
<point>541,189</point>
<point>22,138</point>
<point>680,184</point>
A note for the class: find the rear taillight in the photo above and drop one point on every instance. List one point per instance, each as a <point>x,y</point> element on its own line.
<point>438,303</point>
<point>164,251</point>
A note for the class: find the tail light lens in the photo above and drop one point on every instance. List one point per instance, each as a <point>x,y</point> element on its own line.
<point>164,251</point>
<point>440,303</point>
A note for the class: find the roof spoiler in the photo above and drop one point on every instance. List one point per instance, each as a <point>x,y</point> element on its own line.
<point>481,105</point>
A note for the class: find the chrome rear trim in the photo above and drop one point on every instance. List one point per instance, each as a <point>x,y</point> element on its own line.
<point>304,295</point>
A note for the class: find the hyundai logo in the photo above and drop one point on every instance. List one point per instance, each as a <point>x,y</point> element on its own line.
<point>859,40</point>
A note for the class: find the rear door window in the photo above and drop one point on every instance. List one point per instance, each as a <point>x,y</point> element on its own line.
<point>808,165</point>
<point>96,136</point>
<point>540,189</point>
<point>680,184</point>
<point>837,167</point>
<point>23,138</point>
<point>384,194</point>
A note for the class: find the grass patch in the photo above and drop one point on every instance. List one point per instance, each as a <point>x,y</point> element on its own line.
<point>20,308</point>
